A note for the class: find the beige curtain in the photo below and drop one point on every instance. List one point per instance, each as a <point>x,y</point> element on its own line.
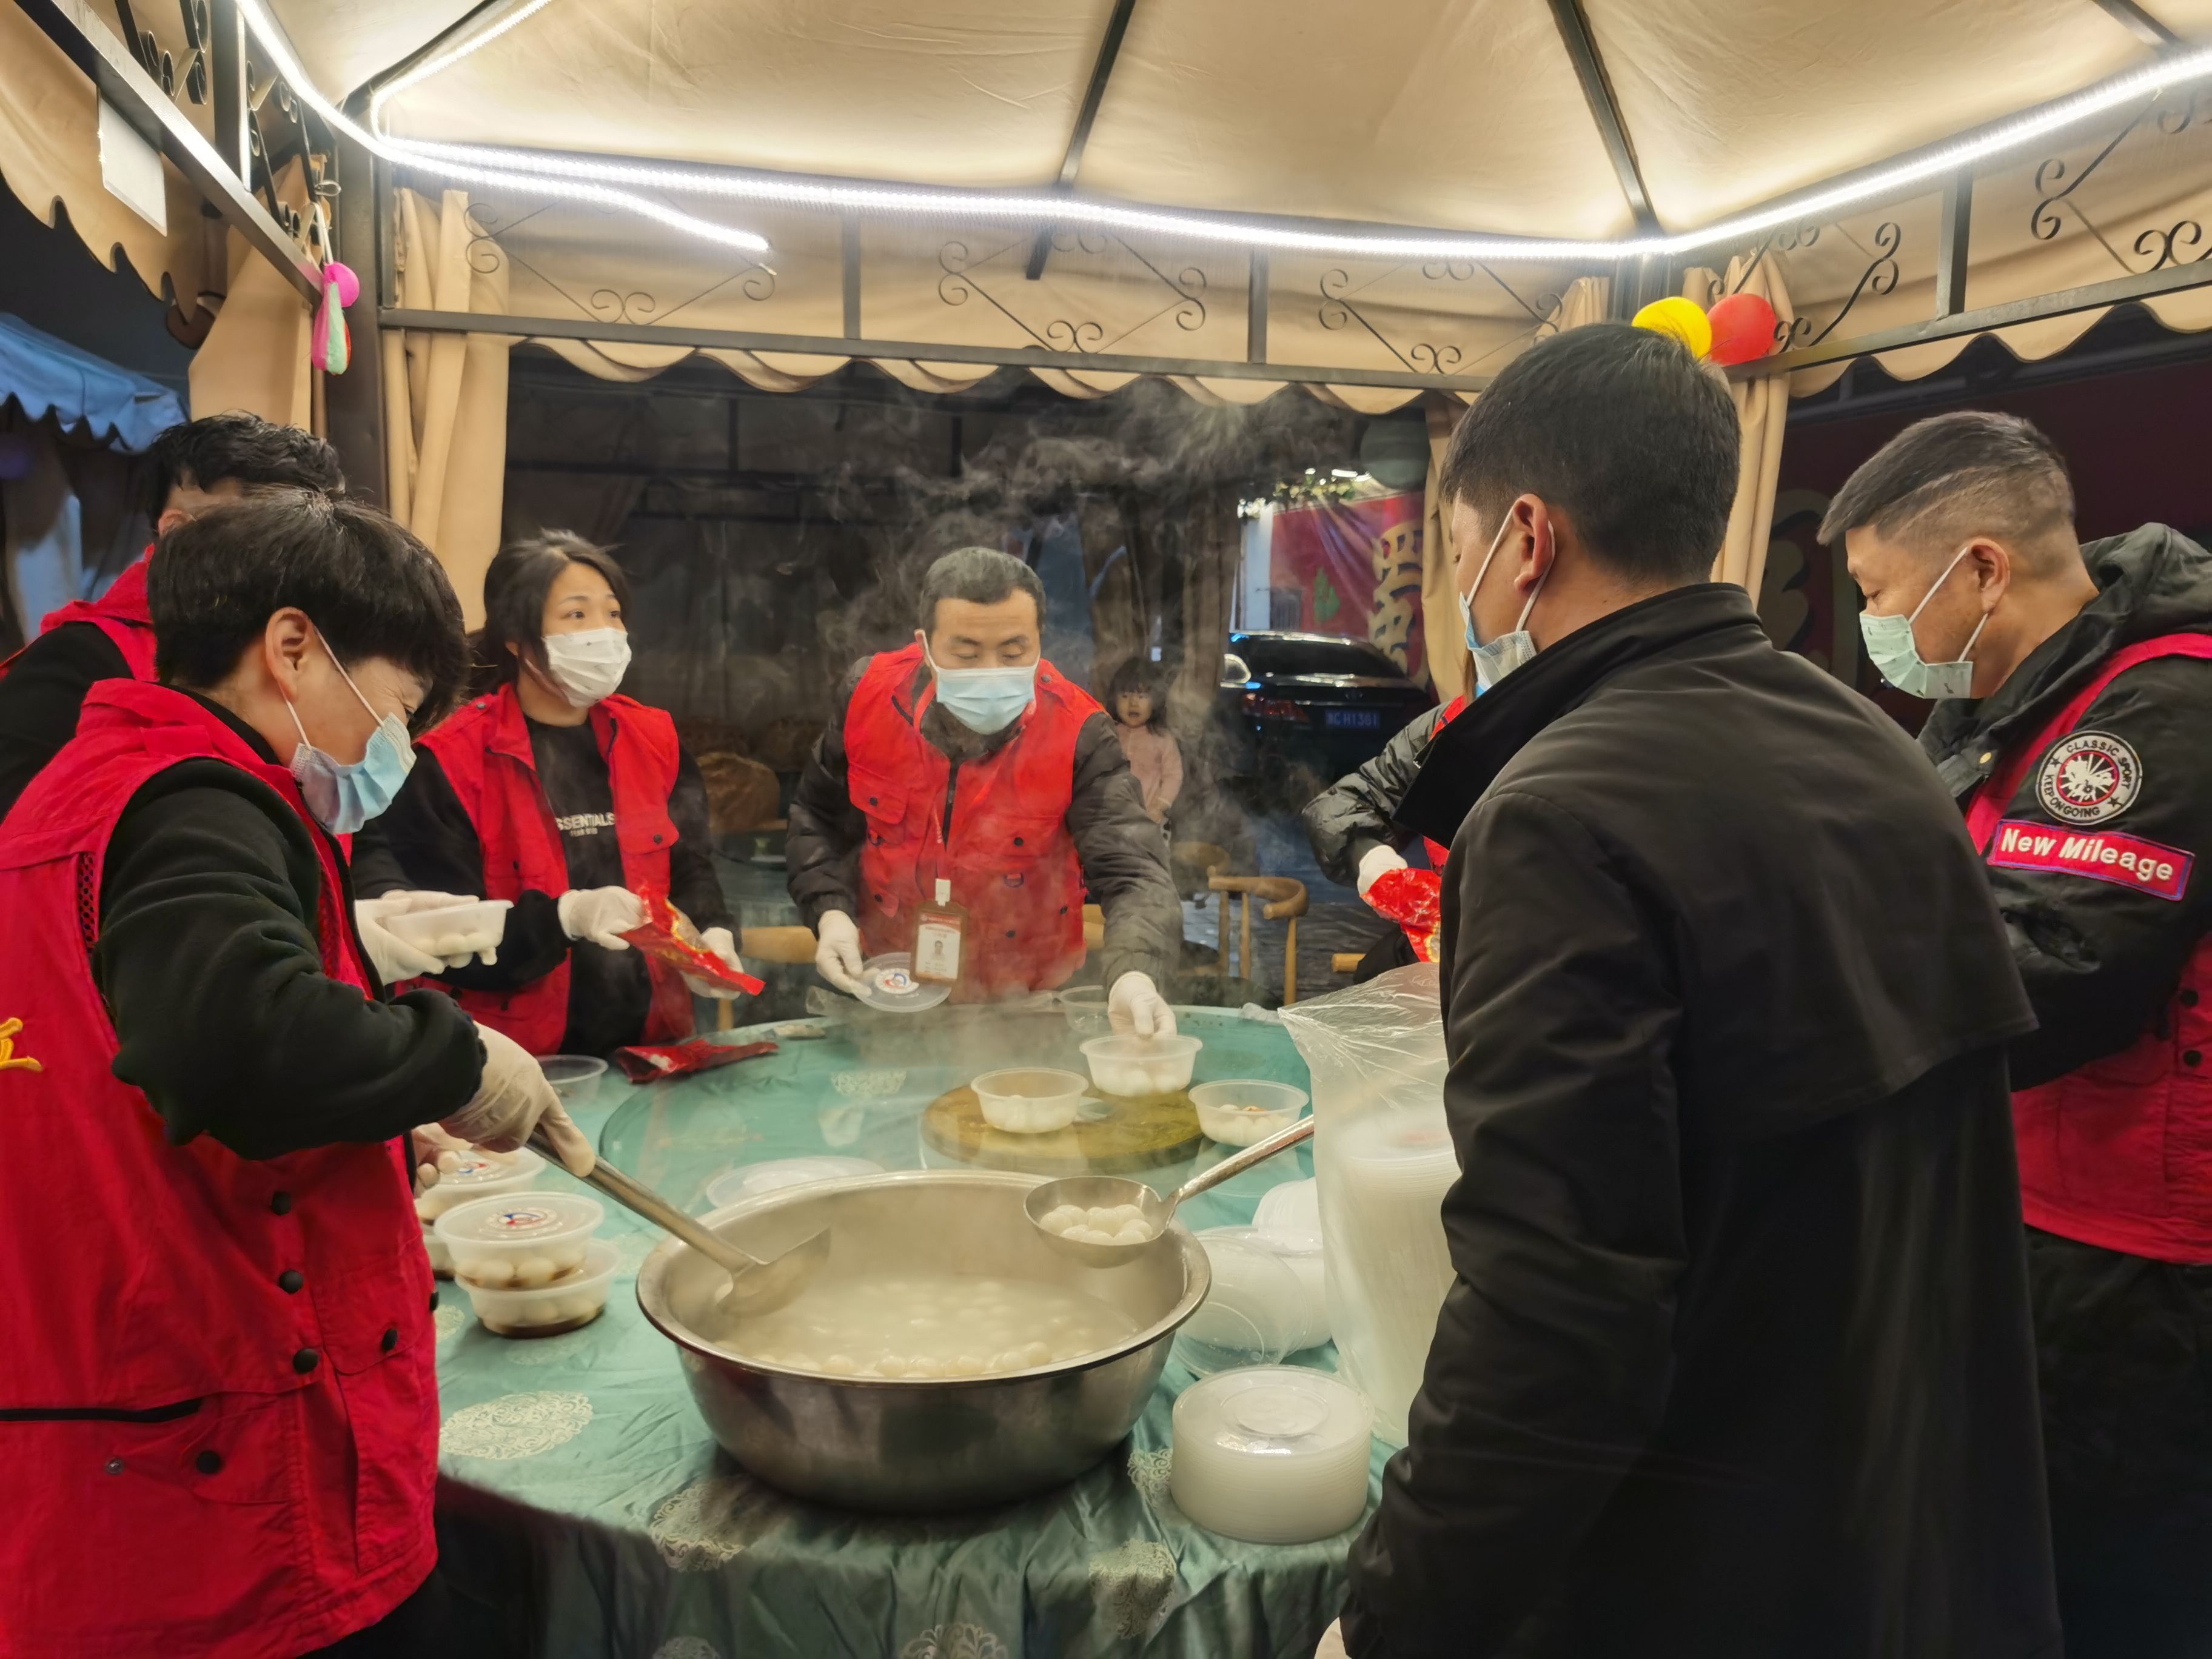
<point>445,395</point>
<point>255,357</point>
<point>1762,404</point>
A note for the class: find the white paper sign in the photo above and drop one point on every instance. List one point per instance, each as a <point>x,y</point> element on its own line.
<point>131,169</point>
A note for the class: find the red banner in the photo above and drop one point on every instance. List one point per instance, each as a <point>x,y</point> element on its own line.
<point>1357,567</point>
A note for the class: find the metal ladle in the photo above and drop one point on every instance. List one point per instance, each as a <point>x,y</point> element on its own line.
<point>755,1286</point>
<point>1092,1192</point>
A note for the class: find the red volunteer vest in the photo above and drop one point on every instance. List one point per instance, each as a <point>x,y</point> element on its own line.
<point>198,1458</point>
<point>1439,853</point>
<point>485,752</point>
<point>121,614</point>
<point>1006,850</point>
<point>2118,1153</point>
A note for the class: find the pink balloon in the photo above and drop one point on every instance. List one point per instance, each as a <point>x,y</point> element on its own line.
<point>340,277</point>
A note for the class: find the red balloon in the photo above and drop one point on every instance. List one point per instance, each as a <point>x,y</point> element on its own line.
<point>1743,328</point>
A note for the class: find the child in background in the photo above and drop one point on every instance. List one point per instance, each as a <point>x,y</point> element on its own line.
<point>1153,757</point>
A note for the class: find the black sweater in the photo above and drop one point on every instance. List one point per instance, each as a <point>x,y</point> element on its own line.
<point>41,696</point>
<point>208,961</point>
<point>426,842</point>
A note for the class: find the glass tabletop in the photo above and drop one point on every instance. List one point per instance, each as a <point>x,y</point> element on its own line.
<point>891,1091</point>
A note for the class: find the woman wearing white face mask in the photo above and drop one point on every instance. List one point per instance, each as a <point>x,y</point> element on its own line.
<point>552,789</point>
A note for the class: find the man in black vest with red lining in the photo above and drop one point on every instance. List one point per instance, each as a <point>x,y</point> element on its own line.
<point>2073,685</point>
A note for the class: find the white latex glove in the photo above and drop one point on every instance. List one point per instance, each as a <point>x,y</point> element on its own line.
<point>394,958</point>
<point>435,1153</point>
<point>1332,1642</point>
<point>837,951</point>
<point>512,1099</point>
<point>601,915</point>
<point>1375,861</point>
<point>717,941</point>
<point>1134,1007</point>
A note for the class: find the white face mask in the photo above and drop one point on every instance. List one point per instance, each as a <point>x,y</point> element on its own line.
<point>1494,661</point>
<point>587,667</point>
<point>984,700</point>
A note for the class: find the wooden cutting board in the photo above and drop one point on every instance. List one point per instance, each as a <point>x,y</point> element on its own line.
<point>1137,1133</point>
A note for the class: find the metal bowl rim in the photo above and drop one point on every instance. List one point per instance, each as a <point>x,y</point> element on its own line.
<point>1198,1281</point>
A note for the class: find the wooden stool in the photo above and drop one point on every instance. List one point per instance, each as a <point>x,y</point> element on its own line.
<point>1282,899</point>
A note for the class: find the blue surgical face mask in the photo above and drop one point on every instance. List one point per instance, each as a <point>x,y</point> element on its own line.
<point>344,797</point>
<point>984,700</point>
<point>1893,649</point>
<point>1494,661</point>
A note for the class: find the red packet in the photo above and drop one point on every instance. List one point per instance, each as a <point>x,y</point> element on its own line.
<point>1414,899</point>
<point>651,1062</point>
<point>669,937</point>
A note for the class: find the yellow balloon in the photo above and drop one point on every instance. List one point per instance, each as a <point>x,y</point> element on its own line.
<point>1680,318</point>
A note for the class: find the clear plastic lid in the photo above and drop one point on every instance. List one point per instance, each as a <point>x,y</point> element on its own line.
<point>888,982</point>
<point>479,1168</point>
<point>1284,1411</point>
<point>750,1179</point>
<point>1253,1312</point>
<point>522,1220</point>
<point>1289,1214</point>
<point>1296,1317</point>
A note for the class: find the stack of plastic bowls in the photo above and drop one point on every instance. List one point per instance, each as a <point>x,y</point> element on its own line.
<point>477,1174</point>
<point>530,1263</point>
<point>1389,1263</point>
<point>1275,1455</point>
<point>1268,1282</point>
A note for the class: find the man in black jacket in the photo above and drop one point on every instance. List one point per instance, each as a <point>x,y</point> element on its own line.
<point>1736,1362</point>
<point>2074,682</point>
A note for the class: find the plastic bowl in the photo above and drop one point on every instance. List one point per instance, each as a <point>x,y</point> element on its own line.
<point>1277,1454</point>
<point>1239,1111</point>
<point>1028,1100</point>
<point>479,1173</point>
<point>574,1078</point>
<point>522,1241</point>
<point>1130,1066</point>
<point>1085,1009</point>
<point>577,1298</point>
<point>458,930</point>
<point>441,1259</point>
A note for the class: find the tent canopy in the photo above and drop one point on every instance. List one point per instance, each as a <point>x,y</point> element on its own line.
<point>1461,114</point>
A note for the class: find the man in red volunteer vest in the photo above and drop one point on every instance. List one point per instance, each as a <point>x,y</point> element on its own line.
<point>965,765</point>
<point>2074,684</point>
<point>190,469</point>
<point>218,1417</point>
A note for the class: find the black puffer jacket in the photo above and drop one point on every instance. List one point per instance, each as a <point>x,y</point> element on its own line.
<point>1123,854</point>
<point>1357,812</point>
<point>2101,959</point>
<point>1736,1362</point>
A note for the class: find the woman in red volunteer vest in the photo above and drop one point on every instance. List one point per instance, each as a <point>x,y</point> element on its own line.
<point>551,788</point>
<point>190,469</point>
<point>966,758</point>
<point>218,1417</point>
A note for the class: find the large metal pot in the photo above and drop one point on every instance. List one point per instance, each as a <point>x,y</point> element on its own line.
<point>911,1444</point>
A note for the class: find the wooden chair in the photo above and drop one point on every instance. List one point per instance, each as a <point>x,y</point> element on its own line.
<point>1283,899</point>
<point>1346,961</point>
<point>1094,926</point>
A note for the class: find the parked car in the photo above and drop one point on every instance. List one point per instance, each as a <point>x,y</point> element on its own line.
<point>1296,712</point>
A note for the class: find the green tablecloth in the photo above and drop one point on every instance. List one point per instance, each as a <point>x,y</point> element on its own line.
<point>584,1454</point>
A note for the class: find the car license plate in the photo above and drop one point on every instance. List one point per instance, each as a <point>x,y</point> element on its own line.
<point>1352,719</point>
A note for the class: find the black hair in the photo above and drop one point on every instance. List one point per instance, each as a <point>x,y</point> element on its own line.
<point>515,584</point>
<point>260,454</point>
<point>1134,675</point>
<point>1621,430</point>
<point>371,589</point>
<point>1954,476</point>
<point>981,576</point>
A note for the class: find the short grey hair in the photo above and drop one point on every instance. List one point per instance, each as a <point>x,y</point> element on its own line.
<point>981,576</point>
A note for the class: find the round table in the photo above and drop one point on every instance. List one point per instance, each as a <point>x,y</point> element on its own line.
<point>578,1463</point>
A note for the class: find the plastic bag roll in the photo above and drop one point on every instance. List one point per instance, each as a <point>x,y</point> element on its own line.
<point>1383,1159</point>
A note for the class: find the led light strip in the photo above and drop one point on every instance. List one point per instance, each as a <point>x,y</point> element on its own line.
<point>470,169</point>
<point>588,179</point>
